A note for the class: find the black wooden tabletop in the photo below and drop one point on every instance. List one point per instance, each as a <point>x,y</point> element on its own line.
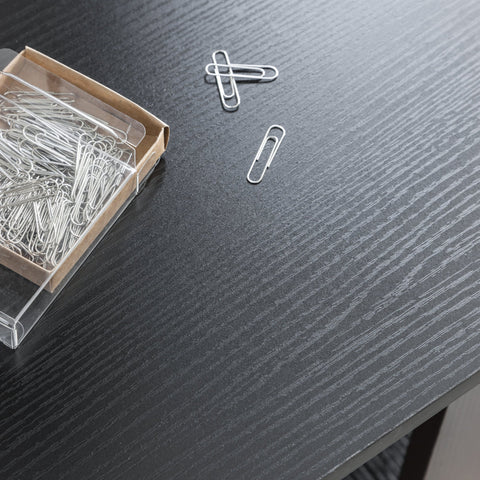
<point>288,330</point>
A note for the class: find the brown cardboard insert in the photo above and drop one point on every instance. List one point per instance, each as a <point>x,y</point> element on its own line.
<point>147,153</point>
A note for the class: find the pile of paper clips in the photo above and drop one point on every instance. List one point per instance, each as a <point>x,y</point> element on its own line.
<point>227,75</point>
<point>57,172</point>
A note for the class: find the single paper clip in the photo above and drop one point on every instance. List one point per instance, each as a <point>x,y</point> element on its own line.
<point>251,72</point>
<point>224,97</point>
<point>276,143</point>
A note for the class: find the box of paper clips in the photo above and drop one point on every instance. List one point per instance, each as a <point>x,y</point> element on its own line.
<point>73,153</point>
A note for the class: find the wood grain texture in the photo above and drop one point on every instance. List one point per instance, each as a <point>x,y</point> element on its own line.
<point>283,331</point>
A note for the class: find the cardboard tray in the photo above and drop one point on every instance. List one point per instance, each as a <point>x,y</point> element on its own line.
<point>147,153</point>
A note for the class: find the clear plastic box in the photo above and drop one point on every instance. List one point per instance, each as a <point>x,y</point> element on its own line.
<point>73,154</point>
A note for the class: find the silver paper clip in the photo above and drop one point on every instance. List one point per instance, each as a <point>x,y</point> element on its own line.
<point>225,97</point>
<point>233,72</point>
<point>255,72</point>
<point>276,144</point>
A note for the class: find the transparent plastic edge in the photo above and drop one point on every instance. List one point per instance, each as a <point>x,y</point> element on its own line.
<point>31,74</point>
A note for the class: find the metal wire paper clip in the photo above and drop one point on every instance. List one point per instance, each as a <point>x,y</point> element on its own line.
<point>234,72</point>
<point>276,144</point>
<point>58,171</point>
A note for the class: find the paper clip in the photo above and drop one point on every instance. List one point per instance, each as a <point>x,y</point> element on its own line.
<point>276,141</point>
<point>224,97</point>
<point>256,72</point>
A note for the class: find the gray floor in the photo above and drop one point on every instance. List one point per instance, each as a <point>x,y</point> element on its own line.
<point>385,466</point>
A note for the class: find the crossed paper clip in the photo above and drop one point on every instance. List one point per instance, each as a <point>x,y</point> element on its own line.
<point>222,69</point>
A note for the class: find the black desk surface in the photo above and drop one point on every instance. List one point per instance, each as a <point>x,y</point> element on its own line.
<point>288,330</point>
